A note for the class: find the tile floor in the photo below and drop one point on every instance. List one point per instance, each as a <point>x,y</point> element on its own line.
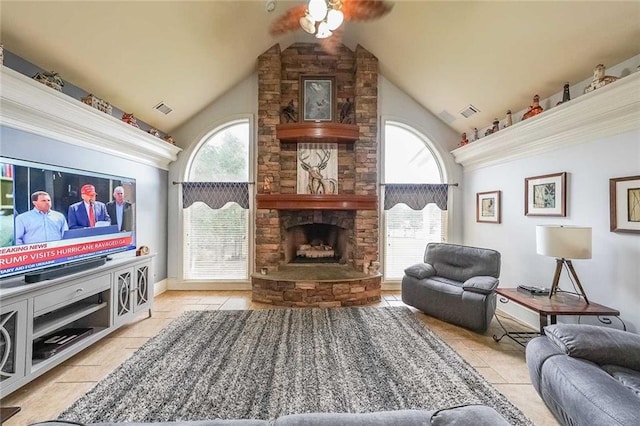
<point>502,364</point>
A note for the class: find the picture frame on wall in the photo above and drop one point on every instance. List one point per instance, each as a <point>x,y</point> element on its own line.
<point>546,195</point>
<point>624,204</point>
<point>488,206</point>
<point>318,98</point>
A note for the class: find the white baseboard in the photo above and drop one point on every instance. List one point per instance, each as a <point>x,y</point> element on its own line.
<point>176,284</point>
<point>159,287</point>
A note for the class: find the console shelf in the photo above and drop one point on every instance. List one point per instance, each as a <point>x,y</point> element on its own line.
<point>51,322</point>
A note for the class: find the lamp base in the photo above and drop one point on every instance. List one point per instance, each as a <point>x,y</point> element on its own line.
<point>572,271</point>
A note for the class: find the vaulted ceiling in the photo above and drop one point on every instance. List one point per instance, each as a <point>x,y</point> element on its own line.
<point>445,55</point>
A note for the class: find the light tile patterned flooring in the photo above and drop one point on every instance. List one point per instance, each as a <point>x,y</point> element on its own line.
<point>502,364</point>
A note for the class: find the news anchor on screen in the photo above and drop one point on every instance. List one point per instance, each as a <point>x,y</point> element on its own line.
<point>120,210</point>
<point>86,213</point>
<point>40,223</point>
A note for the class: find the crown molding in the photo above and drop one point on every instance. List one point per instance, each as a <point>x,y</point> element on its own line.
<point>610,110</point>
<point>28,105</point>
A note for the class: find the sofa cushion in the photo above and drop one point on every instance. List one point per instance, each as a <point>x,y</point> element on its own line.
<point>477,415</point>
<point>626,376</point>
<point>420,271</point>
<point>380,418</point>
<point>481,284</point>
<point>601,345</point>
<point>460,263</point>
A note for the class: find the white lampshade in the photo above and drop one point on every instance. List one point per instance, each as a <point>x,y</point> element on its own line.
<point>334,19</point>
<point>317,9</point>
<point>565,242</point>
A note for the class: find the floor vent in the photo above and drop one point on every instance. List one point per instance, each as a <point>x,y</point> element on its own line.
<point>163,108</point>
<point>469,111</point>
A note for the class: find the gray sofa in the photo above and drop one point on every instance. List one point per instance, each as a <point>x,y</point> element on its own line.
<point>587,375</point>
<point>478,415</point>
<point>454,283</point>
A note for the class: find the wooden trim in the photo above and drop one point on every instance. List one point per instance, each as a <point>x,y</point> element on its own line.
<point>316,202</point>
<point>311,131</point>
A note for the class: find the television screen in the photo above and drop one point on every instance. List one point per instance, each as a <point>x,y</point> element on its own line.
<point>51,215</point>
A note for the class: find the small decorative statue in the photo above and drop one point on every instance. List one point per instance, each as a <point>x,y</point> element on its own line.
<point>169,139</point>
<point>130,119</point>
<point>346,112</point>
<point>599,79</point>
<point>51,79</point>
<point>154,132</point>
<point>289,113</point>
<point>508,121</point>
<point>464,140</point>
<point>496,125</point>
<point>475,134</point>
<point>488,131</point>
<point>534,109</point>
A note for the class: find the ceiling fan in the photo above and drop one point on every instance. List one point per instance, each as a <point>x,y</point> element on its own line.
<point>324,18</point>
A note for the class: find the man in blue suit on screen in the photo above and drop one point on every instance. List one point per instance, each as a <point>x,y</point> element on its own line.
<point>86,213</point>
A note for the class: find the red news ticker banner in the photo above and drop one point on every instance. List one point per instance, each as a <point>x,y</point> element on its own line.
<point>23,255</point>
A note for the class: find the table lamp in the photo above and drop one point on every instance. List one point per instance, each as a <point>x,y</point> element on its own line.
<point>564,243</point>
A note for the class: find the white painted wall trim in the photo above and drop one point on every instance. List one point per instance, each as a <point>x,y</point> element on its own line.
<point>159,287</point>
<point>31,106</point>
<point>610,110</point>
<point>177,284</point>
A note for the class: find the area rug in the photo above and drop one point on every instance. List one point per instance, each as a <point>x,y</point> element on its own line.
<point>267,363</point>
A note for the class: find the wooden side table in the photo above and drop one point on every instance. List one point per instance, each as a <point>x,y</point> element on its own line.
<point>548,308</point>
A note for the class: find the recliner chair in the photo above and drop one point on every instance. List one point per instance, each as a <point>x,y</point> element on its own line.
<point>455,284</point>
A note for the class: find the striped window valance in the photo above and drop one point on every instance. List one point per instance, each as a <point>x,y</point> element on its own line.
<point>215,194</point>
<point>416,196</point>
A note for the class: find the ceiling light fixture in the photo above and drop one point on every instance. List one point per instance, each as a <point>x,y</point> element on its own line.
<point>322,17</point>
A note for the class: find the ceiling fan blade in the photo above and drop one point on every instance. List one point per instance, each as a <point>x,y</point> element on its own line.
<point>364,10</point>
<point>331,45</point>
<point>288,21</point>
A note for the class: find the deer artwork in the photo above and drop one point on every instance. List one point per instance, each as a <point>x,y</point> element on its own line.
<point>318,184</point>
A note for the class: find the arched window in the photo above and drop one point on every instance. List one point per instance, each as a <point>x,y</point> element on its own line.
<point>408,159</point>
<point>215,201</point>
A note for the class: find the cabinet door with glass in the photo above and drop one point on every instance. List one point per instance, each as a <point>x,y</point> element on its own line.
<point>123,295</point>
<point>143,287</point>
<point>13,330</point>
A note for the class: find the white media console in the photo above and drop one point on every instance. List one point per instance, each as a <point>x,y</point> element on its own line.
<point>97,301</point>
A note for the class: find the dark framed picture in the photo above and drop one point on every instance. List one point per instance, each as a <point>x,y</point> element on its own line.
<point>624,204</point>
<point>488,207</point>
<point>546,195</point>
<point>317,98</point>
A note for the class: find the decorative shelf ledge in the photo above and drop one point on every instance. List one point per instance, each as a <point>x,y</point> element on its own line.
<point>608,111</point>
<point>28,105</point>
<point>311,131</point>
<point>316,202</point>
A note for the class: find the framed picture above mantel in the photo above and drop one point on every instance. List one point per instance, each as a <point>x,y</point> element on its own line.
<point>317,98</point>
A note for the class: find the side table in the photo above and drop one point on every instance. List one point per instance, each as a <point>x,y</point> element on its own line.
<point>548,308</point>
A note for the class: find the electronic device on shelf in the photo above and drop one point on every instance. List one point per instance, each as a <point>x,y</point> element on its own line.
<point>53,343</point>
<point>533,290</point>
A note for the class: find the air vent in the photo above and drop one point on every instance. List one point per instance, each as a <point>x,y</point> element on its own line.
<point>163,108</point>
<point>469,111</point>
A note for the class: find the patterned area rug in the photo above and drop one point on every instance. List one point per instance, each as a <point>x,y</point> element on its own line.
<point>264,364</point>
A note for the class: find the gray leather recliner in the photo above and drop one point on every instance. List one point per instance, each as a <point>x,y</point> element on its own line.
<point>455,283</point>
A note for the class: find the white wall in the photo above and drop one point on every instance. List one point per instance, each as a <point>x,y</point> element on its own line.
<point>612,276</point>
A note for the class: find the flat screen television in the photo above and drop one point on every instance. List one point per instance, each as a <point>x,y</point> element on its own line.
<point>76,228</point>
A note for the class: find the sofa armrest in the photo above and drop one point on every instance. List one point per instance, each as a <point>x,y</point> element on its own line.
<point>601,345</point>
<point>482,284</point>
<point>420,271</point>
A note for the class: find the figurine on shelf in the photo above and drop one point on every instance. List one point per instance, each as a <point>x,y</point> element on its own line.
<point>130,119</point>
<point>508,121</point>
<point>154,132</point>
<point>346,112</point>
<point>488,131</point>
<point>534,109</point>
<point>289,113</point>
<point>475,134</point>
<point>464,140</point>
<point>51,79</point>
<point>566,95</point>
<point>599,79</point>
<point>169,139</point>
<point>496,125</point>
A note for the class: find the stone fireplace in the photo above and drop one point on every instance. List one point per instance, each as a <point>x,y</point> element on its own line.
<point>316,249</point>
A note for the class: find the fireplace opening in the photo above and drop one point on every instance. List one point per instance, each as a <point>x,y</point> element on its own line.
<point>316,243</point>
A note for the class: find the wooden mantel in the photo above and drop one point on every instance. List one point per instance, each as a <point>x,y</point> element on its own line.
<point>316,202</point>
<point>312,131</point>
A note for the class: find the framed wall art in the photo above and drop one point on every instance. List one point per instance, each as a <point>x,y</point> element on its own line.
<point>488,206</point>
<point>317,98</point>
<point>546,195</point>
<point>624,204</point>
